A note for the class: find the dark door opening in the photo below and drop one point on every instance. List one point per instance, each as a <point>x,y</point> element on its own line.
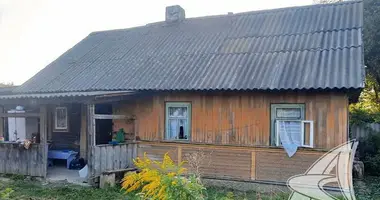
<point>103,127</point>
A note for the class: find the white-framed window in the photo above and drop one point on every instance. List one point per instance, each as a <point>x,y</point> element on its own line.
<point>61,121</point>
<point>295,132</point>
<point>178,121</point>
<point>288,125</point>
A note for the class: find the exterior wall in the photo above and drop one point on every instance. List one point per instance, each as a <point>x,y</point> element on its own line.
<point>236,163</point>
<point>71,138</point>
<point>233,118</point>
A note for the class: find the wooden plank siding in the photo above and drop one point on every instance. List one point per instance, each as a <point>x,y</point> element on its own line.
<point>112,157</point>
<point>237,118</point>
<point>236,162</point>
<point>15,159</point>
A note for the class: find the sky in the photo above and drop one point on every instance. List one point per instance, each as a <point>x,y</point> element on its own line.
<point>33,33</point>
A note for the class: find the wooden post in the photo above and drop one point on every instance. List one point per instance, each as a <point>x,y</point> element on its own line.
<point>107,180</point>
<point>2,122</point>
<point>49,124</point>
<point>83,132</point>
<point>43,138</point>
<point>253,165</point>
<point>90,142</point>
<point>179,156</point>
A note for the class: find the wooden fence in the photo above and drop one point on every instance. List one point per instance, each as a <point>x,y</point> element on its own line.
<point>112,157</point>
<point>15,159</point>
<point>358,132</point>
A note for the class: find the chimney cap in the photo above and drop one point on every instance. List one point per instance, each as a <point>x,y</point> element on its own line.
<point>174,13</point>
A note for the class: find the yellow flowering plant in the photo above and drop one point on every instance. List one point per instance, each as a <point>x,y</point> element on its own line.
<point>162,181</point>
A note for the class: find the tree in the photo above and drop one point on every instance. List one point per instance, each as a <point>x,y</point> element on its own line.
<point>371,39</point>
<point>369,101</point>
<point>3,84</point>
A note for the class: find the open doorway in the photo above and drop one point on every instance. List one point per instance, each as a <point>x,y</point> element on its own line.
<point>64,135</point>
<point>103,127</point>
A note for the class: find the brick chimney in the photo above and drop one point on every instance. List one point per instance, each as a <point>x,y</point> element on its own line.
<point>174,14</point>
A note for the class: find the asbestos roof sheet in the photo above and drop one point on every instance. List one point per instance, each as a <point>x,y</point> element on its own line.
<point>309,47</point>
<point>64,94</point>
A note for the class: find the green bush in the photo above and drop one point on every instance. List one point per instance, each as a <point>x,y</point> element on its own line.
<point>362,117</point>
<point>6,193</point>
<point>369,153</point>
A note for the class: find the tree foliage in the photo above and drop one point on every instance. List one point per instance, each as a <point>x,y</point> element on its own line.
<point>368,107</point>
<point>371,37</point>
<point>2,84</point>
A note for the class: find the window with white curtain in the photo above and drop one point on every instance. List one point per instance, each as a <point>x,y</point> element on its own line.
<point>293,132</point>
<point>288,125</point>
<point>178,123</point>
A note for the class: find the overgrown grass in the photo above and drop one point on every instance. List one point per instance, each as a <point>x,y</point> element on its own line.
<point>28,190</point>
<point>217,193</point>
<point>368,189</point>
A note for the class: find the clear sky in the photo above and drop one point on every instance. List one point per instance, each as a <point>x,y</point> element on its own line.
<point>33,33</point>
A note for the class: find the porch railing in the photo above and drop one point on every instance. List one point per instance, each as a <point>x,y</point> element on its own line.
<point>111,157</point>
<point>15,159</point>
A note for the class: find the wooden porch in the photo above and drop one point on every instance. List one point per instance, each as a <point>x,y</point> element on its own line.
<point>22,158</point>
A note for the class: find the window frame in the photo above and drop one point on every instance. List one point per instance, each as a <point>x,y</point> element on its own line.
<point>303,122</point>
<point>61,129</point>
<point>273,117</point>
<point>189,114</point>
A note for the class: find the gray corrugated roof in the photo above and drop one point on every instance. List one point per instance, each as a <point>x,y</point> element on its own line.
<point>63,94</point>
<point>310,47</point>
<point>7,89</point>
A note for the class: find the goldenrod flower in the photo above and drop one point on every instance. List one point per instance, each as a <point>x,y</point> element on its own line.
<point>156,180</point>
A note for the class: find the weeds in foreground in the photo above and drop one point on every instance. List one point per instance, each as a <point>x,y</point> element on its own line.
<point>162,180</point>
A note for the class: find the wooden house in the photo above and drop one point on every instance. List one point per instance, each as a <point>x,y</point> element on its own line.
<point>226,85</point>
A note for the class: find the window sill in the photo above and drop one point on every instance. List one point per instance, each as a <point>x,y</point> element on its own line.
<point>177,141</point>
<point>118,144</point>
<point>301,147</point>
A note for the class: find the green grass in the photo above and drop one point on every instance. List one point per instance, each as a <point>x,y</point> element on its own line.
<point>368,189</point>
<point>217,193</point>
<point>28,190</point>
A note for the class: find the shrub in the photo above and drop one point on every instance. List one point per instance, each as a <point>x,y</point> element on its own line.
<point>5,194</point>
<point>361,117</point>
<point>369,153</point>
<point>162,181</point>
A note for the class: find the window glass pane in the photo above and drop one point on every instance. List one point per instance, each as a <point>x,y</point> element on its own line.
<point>177,111</point>
<point>294,113</point>
<point>61,118</point>
<point>290,132</point>
<point>172,129</point>
<point>182,134</point>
